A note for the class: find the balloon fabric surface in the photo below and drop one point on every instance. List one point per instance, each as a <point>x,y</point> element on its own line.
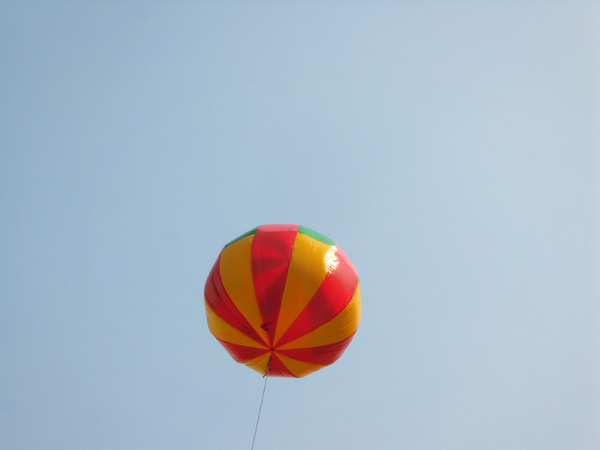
<point>283,300</point>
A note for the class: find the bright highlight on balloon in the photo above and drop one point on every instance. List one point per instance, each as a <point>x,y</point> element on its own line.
<point>283,300</point>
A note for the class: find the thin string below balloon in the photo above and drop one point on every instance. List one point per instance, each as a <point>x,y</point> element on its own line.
<point>266,377</point>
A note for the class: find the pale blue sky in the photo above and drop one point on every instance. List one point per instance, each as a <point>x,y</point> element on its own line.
<point>451,149</point>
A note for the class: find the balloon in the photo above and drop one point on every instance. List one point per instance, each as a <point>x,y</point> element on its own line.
<point>283,300</point>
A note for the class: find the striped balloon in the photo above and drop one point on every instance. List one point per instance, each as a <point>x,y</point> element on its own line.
<point>283,300</point>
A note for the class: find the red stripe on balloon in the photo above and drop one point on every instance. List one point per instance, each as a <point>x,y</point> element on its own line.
<point>322,355</point>
<point>242,353</point>
<point>277,227</point>
<point>278,369</point>
<point>271,254</point>
<point>334,294</point>
<point>342,256</point>
<point>220,302</point>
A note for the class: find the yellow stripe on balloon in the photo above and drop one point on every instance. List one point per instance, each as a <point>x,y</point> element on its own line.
<point>307,269</point>
<point>337,329</point>
<point>260,363</point>
<point>236,274</point>
<point>298,368</point>
<point>222,330</point>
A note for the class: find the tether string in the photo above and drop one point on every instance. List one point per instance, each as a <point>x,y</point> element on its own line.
<point>266,377</point>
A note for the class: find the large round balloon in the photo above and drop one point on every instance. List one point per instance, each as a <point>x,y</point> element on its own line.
<point>283,300</point>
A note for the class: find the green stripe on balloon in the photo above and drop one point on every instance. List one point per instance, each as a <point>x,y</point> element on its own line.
<point>239,238</point>
<point>313,234</point>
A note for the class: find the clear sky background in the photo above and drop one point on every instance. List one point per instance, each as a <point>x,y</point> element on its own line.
<point>452,149</point>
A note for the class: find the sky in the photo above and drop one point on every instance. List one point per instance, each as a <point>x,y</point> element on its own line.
<point>451,149</point>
